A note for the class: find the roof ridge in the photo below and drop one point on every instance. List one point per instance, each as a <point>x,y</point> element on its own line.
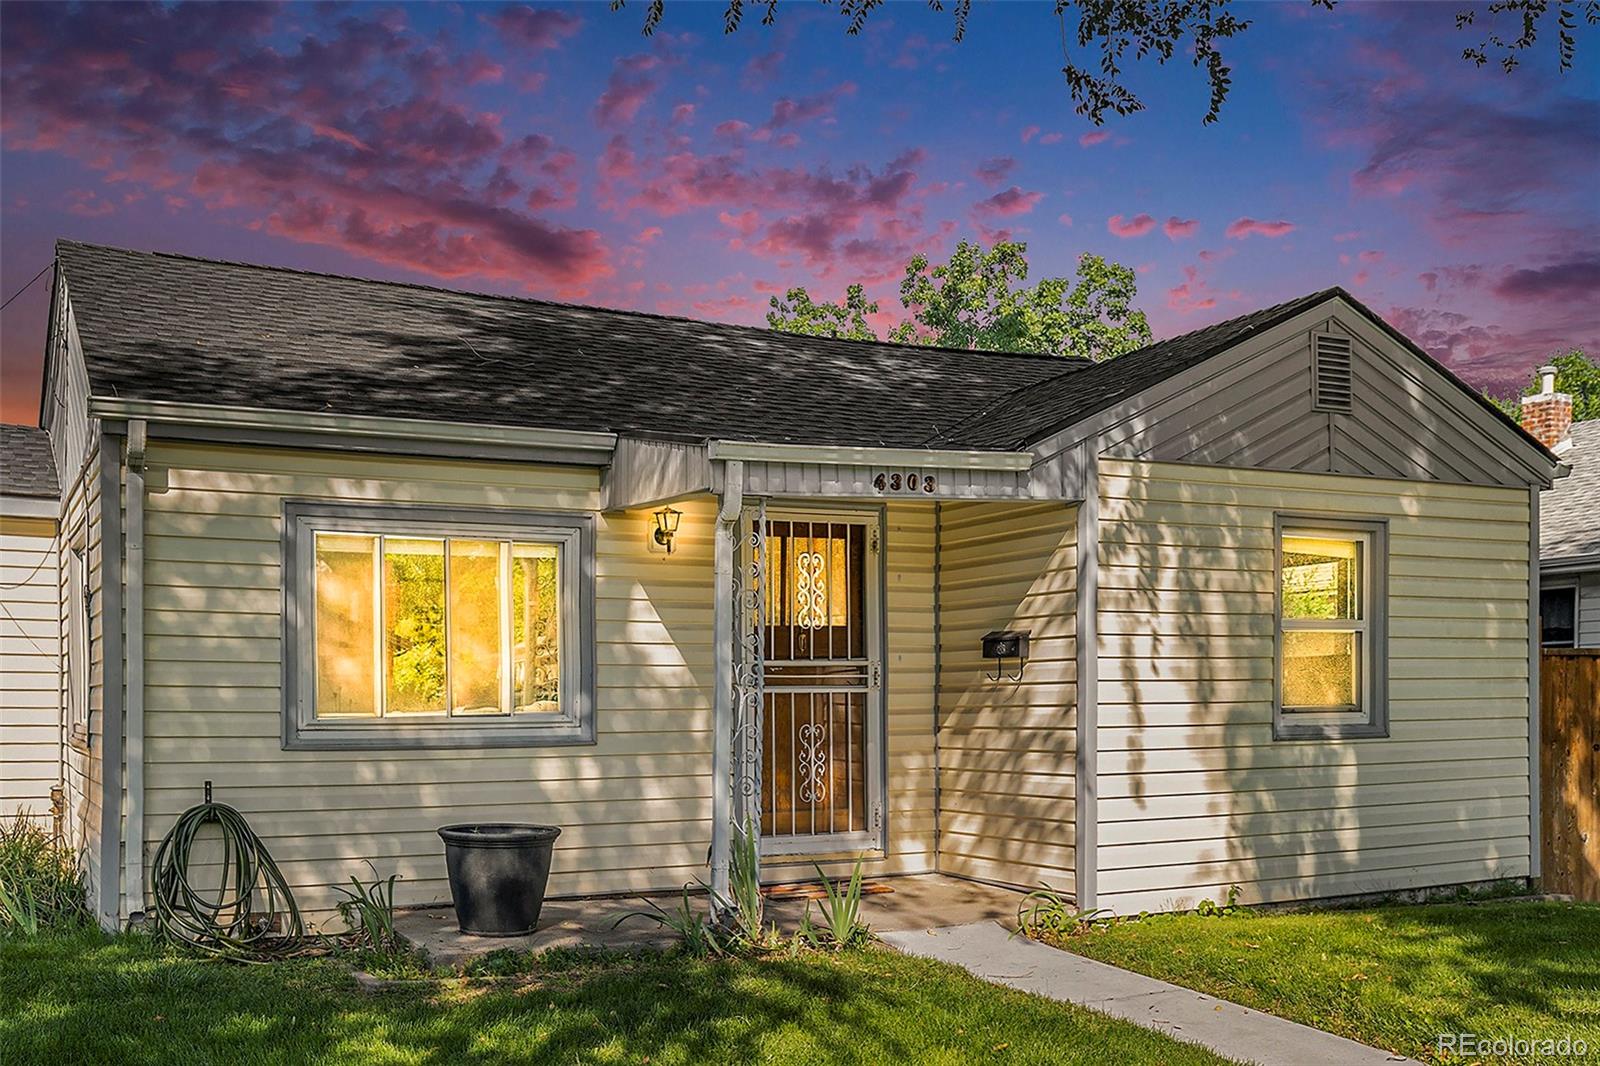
<point>656,315</point>
<point>1309,300</point>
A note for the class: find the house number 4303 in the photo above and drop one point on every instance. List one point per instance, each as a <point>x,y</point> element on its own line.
<point>887,481</point>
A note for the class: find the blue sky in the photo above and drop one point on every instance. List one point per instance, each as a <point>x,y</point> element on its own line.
<point>554,151</point>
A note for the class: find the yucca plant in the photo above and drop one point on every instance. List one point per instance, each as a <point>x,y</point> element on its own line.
<point>699,938</point>
<point>841,911</point>
<point>1046,914</point>
<point>368,911</point>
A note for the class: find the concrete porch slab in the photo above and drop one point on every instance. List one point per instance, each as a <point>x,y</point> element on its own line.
<point>562,924</point>
<point>915,902</point>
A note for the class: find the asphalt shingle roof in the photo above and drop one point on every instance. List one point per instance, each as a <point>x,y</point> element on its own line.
<point>1569,512</point>
<point>27,468</point>
<point>157,326</point>
<point>168,327</point>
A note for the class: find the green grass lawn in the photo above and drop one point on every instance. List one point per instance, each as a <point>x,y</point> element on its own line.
<point>88,998</point>
<point>1393,977</point>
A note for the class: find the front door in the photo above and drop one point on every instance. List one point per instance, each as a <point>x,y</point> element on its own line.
<point>821,708</point>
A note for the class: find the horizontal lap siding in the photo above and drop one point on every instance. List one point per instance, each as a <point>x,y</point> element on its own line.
<point>635,806</point>
<point>1196,796</point>
<point>30,673</point>
<point>1006,749</point>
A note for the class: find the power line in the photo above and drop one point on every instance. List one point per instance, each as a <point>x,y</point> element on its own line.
<point>25,288</point>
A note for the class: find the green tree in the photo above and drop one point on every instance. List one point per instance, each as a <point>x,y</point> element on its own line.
<point>1577,375</point>
<point>980,300</point>
<point>1106,31</point>
<point>797,312</point>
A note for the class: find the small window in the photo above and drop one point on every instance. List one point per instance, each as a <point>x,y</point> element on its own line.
<point>1331,645</point>
<point>77,642</point>
<point>409,628</point>
<point>1558,616</point>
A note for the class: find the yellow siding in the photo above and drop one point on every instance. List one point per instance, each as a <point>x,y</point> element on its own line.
<point>635,806</point>
<point>1196,796</point>
<point>1007,749</point>
<point>30,681</point>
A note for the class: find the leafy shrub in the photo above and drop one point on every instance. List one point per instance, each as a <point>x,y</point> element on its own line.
<point>40,884</point>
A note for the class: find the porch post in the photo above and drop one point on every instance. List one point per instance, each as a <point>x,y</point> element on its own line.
<point>1086,842</point>
<point>724,632</point>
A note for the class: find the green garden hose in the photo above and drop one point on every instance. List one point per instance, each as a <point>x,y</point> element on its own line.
<point>251,902</point>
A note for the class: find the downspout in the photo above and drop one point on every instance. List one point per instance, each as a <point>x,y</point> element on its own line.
<point>108,892</point>
<point>938,677</point>
<point>1086,808</point>
<point>1535,662</point>
<point>133,602</point>
<point>724,622</point>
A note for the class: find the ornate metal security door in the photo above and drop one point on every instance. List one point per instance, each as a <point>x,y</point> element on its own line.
<point>820,779</point>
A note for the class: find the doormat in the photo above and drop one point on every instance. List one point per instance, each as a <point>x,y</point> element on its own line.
<point>780,893</point>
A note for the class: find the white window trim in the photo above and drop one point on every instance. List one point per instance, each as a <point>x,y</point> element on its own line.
<point>77,645</point>
<point>1372,718</point>
<point>572,533</point>
<point>1561,585</point>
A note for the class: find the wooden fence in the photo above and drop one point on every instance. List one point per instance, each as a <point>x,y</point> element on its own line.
<point>1569,770</point>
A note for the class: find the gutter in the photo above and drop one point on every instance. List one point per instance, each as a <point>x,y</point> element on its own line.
<point>939,458</point>
<point>1572,564</point>
<point>133,702</point>
<point>248,424</point>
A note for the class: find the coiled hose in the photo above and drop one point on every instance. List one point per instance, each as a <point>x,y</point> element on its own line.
<point>251,902</point>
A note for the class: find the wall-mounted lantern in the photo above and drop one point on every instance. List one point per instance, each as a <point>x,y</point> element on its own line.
<point>667,527</point>
<point>1003,644</point>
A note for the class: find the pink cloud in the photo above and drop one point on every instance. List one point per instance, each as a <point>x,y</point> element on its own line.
<point>1029,133</point>
<point>1137,226</point>
<point>1064,219</point>
<point>682,113</point>
<point>1372,256</point>
<point>629,86</point>
<point>1094,137</point>
<point>1178,229</point>
<point>1008,203</point>
<point>535,28</point>
<point>1240,228</point>
<point>994,171</point>
<point>1574,281</point>
<point>646,235</point>
<point>1050,138</point>
<point>309,140</point>
<point>787,112</point>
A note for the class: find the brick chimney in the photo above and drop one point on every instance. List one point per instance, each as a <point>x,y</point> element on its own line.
<point>1548,413</point>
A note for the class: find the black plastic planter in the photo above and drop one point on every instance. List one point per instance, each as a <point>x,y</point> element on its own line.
<point>498,873</point>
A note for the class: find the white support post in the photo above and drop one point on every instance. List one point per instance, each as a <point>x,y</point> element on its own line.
<point>1087,768</point>
<point>724,619</point>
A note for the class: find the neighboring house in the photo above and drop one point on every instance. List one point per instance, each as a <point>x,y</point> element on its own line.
<point>390,557</point>
<point>1569,520</point>
<point>30,624</point>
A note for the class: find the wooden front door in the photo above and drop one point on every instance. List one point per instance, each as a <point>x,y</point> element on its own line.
<point>820,782</point>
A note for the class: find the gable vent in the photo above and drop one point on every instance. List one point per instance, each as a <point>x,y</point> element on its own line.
<point>1330,373</point>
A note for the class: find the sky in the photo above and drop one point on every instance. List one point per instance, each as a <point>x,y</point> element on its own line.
<point>556,152</point>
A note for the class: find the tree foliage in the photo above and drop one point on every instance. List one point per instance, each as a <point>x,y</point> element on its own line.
<point>980,300</point>
<point>1106,31</point>
<point>797,312</point>
<point>1577,375</point>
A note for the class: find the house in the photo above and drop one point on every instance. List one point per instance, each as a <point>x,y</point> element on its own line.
<point>1569,520</point>
<point>30,624</point>
<point>1248,607</point>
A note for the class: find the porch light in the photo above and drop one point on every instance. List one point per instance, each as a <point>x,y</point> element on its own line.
<point>667,527</point>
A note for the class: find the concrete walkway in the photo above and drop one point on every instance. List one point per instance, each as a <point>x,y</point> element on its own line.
<point>990,952</point>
